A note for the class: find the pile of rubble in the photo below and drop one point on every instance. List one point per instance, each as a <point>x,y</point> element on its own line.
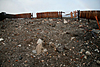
<point>49,43</point>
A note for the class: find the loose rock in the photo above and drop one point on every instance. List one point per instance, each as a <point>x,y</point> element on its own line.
<point>1,39</point>
<point>88,53</point>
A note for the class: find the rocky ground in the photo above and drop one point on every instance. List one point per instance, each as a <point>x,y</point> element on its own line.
<point>65,43</point>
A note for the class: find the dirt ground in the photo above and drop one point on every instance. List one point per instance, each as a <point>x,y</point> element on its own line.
<point>70,44</point>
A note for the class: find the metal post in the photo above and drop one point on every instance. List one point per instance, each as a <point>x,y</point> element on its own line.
<point>97,22</point>
<point>61,14</point>
<point>88,20</point>
<point>78,15</point>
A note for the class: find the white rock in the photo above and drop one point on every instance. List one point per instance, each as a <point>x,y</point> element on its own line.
<point>50,20</point>
<point>1,39</point>
<point>29,45</point>
<point>98,62</point>
<point>58,22</point>
<point>97,50</point>
<point>82,50</point>
<point>19,45</point>
<point>72,38</point>
<point>45,50</point>
<point>50,43</point>
<point>85,57</point>
<point>39,41</point>
<point>34,51</point>
<point>88,53</point>
<point>65,21</point>
<point>42,21</point>
<point>96,31</point>
<point>80,25</point>
<point>39,46</point>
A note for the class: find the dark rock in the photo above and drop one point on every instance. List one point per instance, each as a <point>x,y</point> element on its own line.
<point>20,57</point>
<point>28,41</point>
<point>3,27</point>
<point>60,49</point>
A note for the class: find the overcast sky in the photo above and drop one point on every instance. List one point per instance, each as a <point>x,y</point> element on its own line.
<point>34,6</point>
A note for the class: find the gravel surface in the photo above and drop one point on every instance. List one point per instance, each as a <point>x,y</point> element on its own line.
<point>66,43</point>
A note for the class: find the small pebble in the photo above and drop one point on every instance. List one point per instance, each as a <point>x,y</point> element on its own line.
<point>20,57</point>
<point>98,62</point>
<point>25,61</point>
<point>1,39</point>
<point>19,45</point>
<point>34,51</point>
<point>88,53</point>
<point>42,61</point>
<point>85,57</point>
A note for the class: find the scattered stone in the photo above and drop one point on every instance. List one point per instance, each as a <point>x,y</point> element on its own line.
<point>19,45</point>
<point>39,46</point>
<point>50,20</point>
<point>60,49</point>
<point>58,22</point>
<point>3,27</point>
<point>87,53</point>
<point>82,56</point>
<point>80,26</point>
<point>45,50</point>
<point>1,39</point>
<point>39,41</point>
<point>66,39</point>
<point>34,51</point>
<point>82,50</point>
<point>72,38</point>
<point>16,60</point>
<point>25,61</point>
<point>25,65</point>
<point>73,47</point>
<point>85,57</point>
<point>29,45</point>
<point>42,61</point>
<point>65,21</point>
<point>52,44</point>
<point>66,47</point>
<point>97,50</point>
<point>28,41</point>
<point>96,31</point>
<point>20,57</point>
<point>98,62</point>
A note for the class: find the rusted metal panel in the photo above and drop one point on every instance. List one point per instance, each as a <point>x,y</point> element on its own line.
<point>83,14</point>
<point>90,14</point>
<point>25,15</point>
<point>49,15</point>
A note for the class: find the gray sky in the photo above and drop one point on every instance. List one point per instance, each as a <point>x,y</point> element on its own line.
<point>34,6</point>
